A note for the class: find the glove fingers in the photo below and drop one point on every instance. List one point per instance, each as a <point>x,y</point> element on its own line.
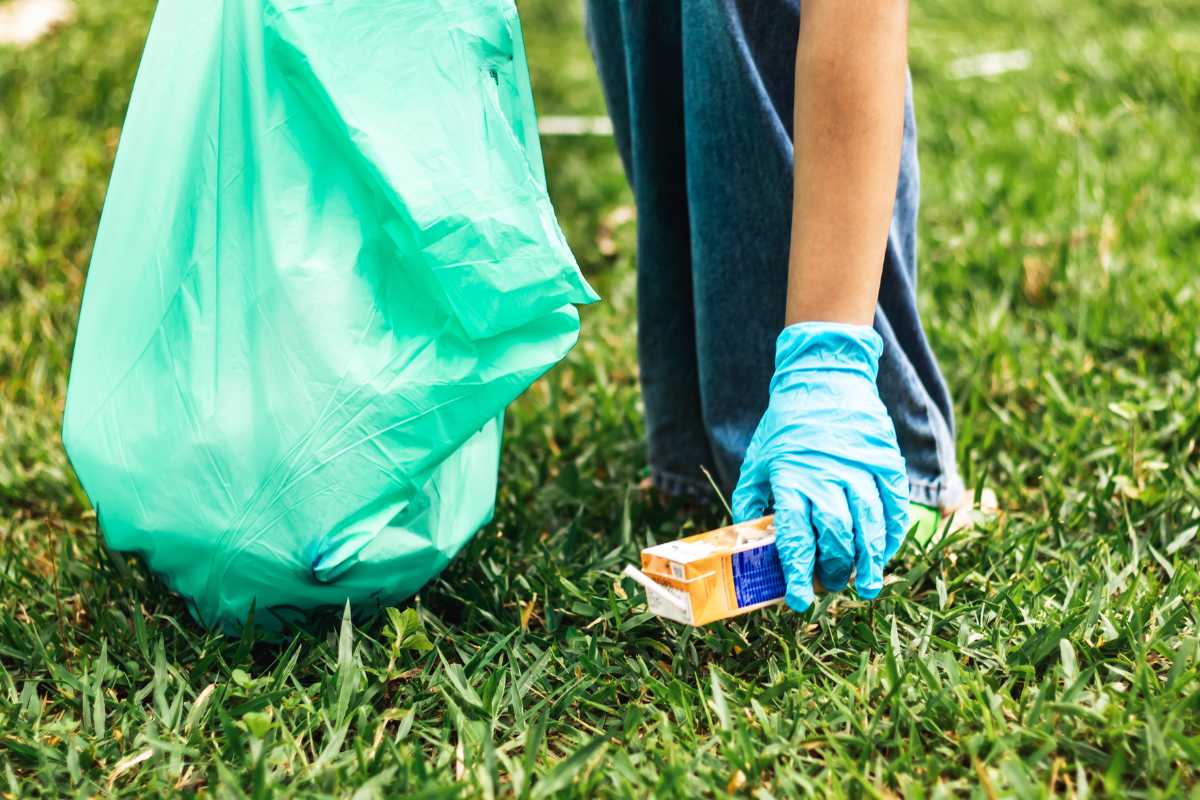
<point>834,530</point>
<point>893,493</point>
<point>866,509</point>
<point>750,501</point>
<point>752,491</point>
<point>796,546</point>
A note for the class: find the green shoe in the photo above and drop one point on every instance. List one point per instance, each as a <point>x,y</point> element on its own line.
<point>923,523</point>
<point>927,522</point>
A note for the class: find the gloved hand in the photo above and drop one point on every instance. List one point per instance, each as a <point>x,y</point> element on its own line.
<point>826,451</point>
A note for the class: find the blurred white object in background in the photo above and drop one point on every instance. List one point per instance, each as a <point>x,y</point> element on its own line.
<point>25,21</point>
<point>985,65</point>
<point>575,126</point>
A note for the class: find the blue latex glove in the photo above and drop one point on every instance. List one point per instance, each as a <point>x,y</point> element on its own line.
<point>826,451</point>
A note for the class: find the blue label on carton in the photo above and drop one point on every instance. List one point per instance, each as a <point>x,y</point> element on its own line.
<point>758,576</point>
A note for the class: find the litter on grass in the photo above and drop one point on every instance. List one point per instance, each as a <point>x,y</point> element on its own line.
<point>715,575</point>
<point>733,570</point>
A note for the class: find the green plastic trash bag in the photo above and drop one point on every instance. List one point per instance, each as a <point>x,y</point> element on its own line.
<point>326,264</point>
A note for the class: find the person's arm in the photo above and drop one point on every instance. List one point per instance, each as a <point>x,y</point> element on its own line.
<point>851,66</point>
<point>825,453</point>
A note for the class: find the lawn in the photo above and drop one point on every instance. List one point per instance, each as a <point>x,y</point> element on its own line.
<point>1053,651</point>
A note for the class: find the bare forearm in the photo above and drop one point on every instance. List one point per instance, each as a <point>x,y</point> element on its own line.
<point>849,116</point>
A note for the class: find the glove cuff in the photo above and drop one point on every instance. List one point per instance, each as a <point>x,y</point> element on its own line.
<point>828,346</point>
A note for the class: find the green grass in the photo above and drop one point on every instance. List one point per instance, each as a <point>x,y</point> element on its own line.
<point>1053,652</point>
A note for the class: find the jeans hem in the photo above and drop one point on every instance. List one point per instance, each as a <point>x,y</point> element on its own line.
<point>673,484</point>
<point>941,493</point>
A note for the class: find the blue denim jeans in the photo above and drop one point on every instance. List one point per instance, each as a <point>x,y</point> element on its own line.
<point>700,93</point>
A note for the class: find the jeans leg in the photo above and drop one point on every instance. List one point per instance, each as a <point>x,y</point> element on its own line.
<point>738,77</point>
<point>637,48</point>
<point>739,174</point>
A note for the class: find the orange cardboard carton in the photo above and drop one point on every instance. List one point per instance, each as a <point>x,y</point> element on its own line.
<point>714,575</point>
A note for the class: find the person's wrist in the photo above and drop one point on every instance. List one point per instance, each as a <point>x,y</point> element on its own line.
<point>812,305</point>
<point>831,346</point>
